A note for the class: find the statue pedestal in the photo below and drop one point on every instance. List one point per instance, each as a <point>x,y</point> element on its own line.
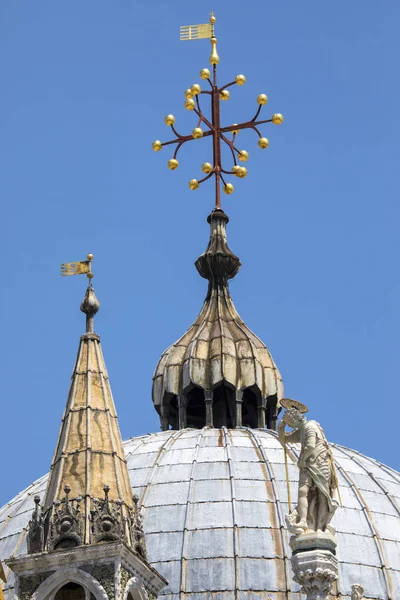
<point>314,563</point>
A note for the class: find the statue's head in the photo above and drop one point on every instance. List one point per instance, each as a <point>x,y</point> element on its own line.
<point>293,417</point>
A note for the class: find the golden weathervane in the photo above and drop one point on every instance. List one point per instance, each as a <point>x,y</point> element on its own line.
<point>84,267</point>
<point>213,128</point>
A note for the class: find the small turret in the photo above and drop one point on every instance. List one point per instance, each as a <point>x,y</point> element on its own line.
<point>219,373</point>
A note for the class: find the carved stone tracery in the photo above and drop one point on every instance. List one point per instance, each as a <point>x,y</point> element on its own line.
<point>65,523</point>
<point>106,520</point>
<point>35,537</point>
<point>137,531</point>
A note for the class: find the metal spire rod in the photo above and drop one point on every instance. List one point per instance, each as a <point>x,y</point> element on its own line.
<point>213,128</point>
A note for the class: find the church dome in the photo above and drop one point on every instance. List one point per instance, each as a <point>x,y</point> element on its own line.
<point>213,503</point>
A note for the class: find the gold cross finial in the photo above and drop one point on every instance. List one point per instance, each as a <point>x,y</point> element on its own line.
<point>211,126</point>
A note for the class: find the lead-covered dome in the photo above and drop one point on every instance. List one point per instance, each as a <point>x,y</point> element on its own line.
<point>213,503</point>
<point>219,373</point>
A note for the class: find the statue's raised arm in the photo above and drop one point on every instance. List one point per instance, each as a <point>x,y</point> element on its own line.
<point>317,494</point>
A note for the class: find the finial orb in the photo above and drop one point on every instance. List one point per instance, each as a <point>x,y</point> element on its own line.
<point>262,99</point>
<point>173,164</point>
<point>229,189</point>
<point>90,275</point>
<point>243,156</point>
<point>235,131</point>
<point>157,145</point>
<point>188,94</point>
<point>263,143</point>
<point>194,184</point>
<point>206,167</point>
<point>169,120</point>
<point>195,89</point>
<point>205,74</point>
<point>90,257</point>
<point>240,80</point>
<point>212,18</point>
<point>241,172</point>
<point>197,133</point>
<point>190,104</point>
<point>235,169</point>
<point>224,95</point>
<point>277,119</point>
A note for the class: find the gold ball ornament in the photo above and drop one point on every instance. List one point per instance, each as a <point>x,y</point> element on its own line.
<point>188,94</point>
<point>262,99</point>
<point>243,156</point>
<point>229,189</point>
<point>213,18</point>
<point>197,133</point>
<point>195,89</point>
<point>169,120</point>
<point>225,95</point>
<point>90,275</point>
<point>205,74</point>
<point>194,184</point>
<point>206,168</point>
<point>240,80</point>
<point>235,169</point>
<point>263,143</point>
<point>173,164</point>
<point>90,257</point>
<point>157,145</point>
<point>277,119</point>
<point>190,104</point>
<point>242,172</point>
<point>235,131</point>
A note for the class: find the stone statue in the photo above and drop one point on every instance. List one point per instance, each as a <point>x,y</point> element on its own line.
<point>317,500</point>
<point>357,592</point>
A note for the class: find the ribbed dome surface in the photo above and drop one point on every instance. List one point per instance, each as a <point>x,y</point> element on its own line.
<point>213,503</point>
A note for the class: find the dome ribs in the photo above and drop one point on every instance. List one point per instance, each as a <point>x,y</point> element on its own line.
<point>165,460</point>
<point>183,571</point>
<point>367,514</point>
<point>280,513</point>
<point>217,350</point>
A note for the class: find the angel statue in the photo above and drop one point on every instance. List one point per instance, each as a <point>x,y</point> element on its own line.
<point>318,486</point>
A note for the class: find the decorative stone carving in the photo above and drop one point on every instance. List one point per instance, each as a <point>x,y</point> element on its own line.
<point>106,521</point>
<point>103,573</point>
<point>35,537</point>
<point>125,576</point>
<point>357,592</point>
<point>314,564</point>
<point>29,584</point>
<point>66,523</point>
<point>137,532</point>
<point>317,501</point>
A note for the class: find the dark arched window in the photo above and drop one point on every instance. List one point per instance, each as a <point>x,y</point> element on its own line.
<point>224,414</point>
<point>70,591</point>
<point>196,408</point>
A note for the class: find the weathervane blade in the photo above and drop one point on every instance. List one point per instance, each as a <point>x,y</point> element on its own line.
<point>83,267</point>
<point>75,268</point>
<point>196,32</point>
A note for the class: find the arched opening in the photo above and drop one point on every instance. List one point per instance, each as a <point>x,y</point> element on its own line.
<point>249,408</point>
<point>71,591</point>
<point>224,413</point>
<point>272,412</point>
<point>196,408</point>
<point>169,412</point>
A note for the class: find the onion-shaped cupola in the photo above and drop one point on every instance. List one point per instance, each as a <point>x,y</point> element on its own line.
<point>219,373</point>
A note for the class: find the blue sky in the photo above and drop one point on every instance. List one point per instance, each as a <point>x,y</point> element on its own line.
<point>85,88</point>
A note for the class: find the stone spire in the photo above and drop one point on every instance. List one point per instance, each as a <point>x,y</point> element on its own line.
<point>89,496</point>
<point>219,372</point>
